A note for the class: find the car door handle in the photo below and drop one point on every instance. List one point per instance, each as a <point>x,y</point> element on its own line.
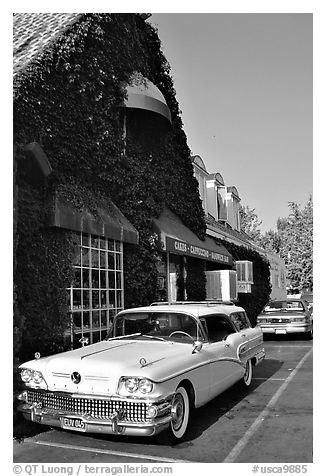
<point>243,335</point>
<point>226,344</point>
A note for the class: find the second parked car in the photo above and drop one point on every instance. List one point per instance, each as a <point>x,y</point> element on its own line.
<point>287,316</point>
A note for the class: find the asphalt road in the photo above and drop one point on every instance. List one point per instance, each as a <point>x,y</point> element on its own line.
<point>271,422</point>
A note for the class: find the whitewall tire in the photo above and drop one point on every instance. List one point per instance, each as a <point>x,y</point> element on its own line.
<point>180,415</point>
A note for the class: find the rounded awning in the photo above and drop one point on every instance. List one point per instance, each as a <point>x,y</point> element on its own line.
<point>143,94</point>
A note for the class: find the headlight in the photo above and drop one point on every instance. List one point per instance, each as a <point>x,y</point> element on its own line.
<point>37,377</point>
<point>26,375</point>
<point>133,384</point>
<point>145,386</point>
<point>31,376</point>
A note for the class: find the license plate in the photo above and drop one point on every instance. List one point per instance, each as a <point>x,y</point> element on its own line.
<point>72,424</point>
<point>280,331</point>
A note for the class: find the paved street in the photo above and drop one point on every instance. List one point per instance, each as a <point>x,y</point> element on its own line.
<point>271,422</point>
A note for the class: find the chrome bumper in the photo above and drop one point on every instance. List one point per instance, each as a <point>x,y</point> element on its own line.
<point>115,425</point>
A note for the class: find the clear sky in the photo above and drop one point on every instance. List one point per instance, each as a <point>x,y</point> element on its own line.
<point>244,85</point>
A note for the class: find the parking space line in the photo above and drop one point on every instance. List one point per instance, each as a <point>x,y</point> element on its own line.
<point>237,449</point>
<point>113,453</point>
<point>266,378</point>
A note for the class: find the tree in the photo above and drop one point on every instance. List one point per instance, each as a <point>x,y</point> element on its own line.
<point>250,223</point>
<point>296,245</point>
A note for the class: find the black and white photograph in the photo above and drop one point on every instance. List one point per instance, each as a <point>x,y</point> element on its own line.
<point>162,263</point>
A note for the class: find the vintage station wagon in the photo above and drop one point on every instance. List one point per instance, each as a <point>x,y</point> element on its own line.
<point>159,362</point>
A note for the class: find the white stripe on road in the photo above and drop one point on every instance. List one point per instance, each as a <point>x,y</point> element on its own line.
<point>234,453</point>
<point>266,378</point>
<point>113,453</point>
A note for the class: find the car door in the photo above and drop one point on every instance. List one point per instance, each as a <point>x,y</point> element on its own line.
<point>251,342</point>
<point>221,351</point>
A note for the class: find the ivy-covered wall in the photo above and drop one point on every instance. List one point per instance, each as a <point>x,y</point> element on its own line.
<point>67,102</point>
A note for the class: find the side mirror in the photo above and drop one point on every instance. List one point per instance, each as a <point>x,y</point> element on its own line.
<point>198,345</point>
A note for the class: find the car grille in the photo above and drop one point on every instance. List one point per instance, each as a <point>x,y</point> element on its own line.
<point>96,408</point>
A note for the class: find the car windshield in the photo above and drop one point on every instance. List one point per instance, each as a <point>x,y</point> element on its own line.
<point>157,326</point>
<point>277,305</point>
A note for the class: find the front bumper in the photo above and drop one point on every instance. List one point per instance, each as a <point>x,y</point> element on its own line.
<point>116,423</point>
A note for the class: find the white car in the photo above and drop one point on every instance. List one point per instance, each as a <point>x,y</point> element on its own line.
<point>161,361</point>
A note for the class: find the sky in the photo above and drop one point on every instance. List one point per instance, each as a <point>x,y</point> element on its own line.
<point>244,83</point>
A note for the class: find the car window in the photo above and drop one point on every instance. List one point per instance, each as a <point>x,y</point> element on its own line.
<point>218,327</point>
<point>240,320</point>
<point>156,324</point>
<point>276,305</point>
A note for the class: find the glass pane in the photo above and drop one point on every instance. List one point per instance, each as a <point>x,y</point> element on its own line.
<point>96,337</point>
<point>95,279</point>
<point>95,300</point>
<point>85,276</point>
<point>103,283</point>
<point>104,318</point>
<point>112,299</point>
<point>103,243</point>
<point>111,245</point>
<point>118,261</point>
<point>86,300</point>
<point>77,319</point>
<point>85,320</point>
<point>76,299</point>
<point>119,281</point>
<point>95,319</point>
<point>103,259</point>
<point>94,259</point>
<point>95,242</point>
<point>103,296</point>
<point>111,280</point>
<point>85,257</point>
<point>119,299</point>
<point>111,261</point>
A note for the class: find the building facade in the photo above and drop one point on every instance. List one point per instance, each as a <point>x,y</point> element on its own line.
<point>222,209</point>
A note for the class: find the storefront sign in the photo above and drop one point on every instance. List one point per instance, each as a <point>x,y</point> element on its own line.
<point>183,248</point>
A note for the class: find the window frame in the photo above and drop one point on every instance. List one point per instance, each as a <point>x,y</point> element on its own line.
<point>96,294</point>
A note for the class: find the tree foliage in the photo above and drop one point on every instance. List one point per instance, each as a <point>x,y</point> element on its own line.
<point>292,240</point>
<point>250,223</point>
<point>296,238</point>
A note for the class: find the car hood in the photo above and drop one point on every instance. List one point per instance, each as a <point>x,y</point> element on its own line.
<point>101,365</point>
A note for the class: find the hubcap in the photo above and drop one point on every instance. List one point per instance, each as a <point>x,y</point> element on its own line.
<point>177,411</point>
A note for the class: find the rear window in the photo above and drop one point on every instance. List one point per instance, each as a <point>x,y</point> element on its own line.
<point>277,305</point>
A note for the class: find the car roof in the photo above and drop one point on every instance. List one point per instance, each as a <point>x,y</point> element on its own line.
<point>196,309</point>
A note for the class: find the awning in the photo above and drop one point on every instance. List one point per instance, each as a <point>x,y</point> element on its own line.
<point>109,222</point>
<point>143,94</point>
<point>178,239</point>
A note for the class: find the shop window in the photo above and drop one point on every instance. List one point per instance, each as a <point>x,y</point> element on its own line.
<point>96,293</point>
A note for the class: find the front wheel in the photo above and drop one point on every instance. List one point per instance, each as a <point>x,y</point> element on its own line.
<point>180,416</point>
